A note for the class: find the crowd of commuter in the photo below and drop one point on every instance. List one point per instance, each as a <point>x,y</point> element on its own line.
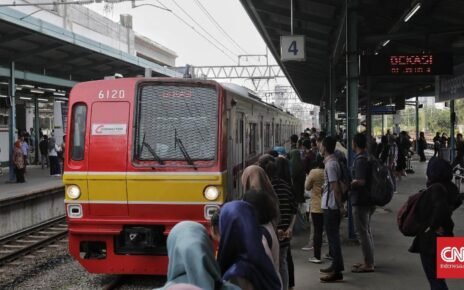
<point>307,184</point>
<point>50,153</point>
<point>282,189</point>
<point>255,231</point>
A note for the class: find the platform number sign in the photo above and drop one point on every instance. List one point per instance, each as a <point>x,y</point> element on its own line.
<point>292,47</point>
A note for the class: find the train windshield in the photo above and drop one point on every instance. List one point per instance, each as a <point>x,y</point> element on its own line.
<point>176,123</point>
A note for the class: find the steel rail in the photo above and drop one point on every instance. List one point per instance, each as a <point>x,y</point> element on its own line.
<point>35,228</point>
<point>47,239</point>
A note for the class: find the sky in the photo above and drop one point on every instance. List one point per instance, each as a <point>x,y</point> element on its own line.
<point>179,31</point>
<point>167,29</point>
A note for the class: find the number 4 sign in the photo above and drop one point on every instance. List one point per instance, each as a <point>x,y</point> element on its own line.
<point>292,47</point>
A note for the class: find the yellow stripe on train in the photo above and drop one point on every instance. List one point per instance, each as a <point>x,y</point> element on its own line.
<point>145,187</point>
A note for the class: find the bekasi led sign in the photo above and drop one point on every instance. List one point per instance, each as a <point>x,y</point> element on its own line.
<point>407,64</point>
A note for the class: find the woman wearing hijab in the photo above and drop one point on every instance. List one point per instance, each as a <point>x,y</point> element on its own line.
<point>261,203</point>
<point>434,209</point>
<point>241,256</point>
<point>183,287</point>
<point>18,160</point>
<point>298,175</point>
<point>254,177</point>
<point>191,259</point>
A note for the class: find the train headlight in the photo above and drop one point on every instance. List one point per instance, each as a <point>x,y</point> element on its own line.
<point>73,191</point>
<point>211,193</point>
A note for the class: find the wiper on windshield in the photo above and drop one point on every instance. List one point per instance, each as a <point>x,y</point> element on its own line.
<point>157,158</point>
<point>183,150</point>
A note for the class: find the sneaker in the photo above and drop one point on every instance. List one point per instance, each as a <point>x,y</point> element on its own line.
<point>328,257</point>
<point>326,271</point>
<point>307,248</point>
<point>333,277</point>
<point>315,260</point>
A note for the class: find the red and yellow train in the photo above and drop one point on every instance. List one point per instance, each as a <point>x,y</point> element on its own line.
<point>144,154</point>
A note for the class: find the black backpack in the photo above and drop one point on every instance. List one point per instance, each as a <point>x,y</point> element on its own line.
<point>381,186</point>
<point>345,175</point>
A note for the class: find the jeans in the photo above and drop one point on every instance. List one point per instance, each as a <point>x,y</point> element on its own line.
<point>44,160</point>
<point>283,267</point>
<point>332,220</point>
<point>429,265</point>
<point>362,220</point>
<point>318,224</point>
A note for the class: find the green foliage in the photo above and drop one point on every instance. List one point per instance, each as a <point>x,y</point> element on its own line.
<point>431,120</point>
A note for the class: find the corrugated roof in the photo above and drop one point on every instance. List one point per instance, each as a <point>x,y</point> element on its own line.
<point>437,27</point>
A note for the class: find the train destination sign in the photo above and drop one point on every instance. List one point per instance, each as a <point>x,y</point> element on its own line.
<point>407,64</point>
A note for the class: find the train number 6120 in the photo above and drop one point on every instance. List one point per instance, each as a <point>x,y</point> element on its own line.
<point>111,94</point>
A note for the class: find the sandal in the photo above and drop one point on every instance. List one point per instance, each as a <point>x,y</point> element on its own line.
<point>362,269</point>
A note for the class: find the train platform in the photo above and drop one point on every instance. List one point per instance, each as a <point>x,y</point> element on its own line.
<point>37,180</point>
<point>24,205</point>
<point>396,268</point>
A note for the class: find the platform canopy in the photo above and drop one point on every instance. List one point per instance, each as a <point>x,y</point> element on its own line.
<point>436,27</point>
<point>47,54</point>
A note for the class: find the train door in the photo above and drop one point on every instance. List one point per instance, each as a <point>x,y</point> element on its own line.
<point>240,151</point>
<point>108,158</point>
<point>231,151</point>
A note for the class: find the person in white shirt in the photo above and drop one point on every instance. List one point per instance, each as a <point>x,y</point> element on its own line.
<point>53,150</point>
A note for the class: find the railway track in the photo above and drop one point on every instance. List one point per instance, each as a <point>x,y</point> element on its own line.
<point>29,240</point>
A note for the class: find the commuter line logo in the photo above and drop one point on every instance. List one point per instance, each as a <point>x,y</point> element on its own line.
<point>109,129</point>
<point>450,257</point>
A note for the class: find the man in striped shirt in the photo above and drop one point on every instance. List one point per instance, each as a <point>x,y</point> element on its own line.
<point>287,207</point>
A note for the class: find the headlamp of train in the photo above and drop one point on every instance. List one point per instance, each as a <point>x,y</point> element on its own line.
<point>211,193</point>
<point>73,191</point>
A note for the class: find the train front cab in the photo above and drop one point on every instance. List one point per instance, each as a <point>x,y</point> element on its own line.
<point>122,200</point>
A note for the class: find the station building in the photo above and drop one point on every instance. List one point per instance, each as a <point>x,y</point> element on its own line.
<point>46,49</point>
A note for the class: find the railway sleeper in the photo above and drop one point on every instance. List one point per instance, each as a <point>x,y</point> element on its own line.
<point>26,241</point>
<point>14,246</point>
<point>47,232</point>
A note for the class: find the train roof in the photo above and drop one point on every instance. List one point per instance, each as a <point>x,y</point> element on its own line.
<point>247,93</point>
<point>234,88</point>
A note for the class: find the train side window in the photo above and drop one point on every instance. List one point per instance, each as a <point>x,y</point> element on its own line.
<point>253,144</point>
<point>236,132</point>
<point>241,131</point>
<point>78,127</point>
<point>267,136</point>
<point>277,135</point>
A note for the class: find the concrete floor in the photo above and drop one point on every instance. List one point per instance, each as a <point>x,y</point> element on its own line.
<point>37,180</point>
<point>396,268</point>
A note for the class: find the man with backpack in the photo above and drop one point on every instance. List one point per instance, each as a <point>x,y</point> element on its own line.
<point>332,205</point>
<point>427,216</point>
<point>362,204</point>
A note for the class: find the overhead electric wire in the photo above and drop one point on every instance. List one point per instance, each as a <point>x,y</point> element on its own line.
<point>198,32</point>
<point>218,26</point>
<point>201,27</point>
<point>77,2</point>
